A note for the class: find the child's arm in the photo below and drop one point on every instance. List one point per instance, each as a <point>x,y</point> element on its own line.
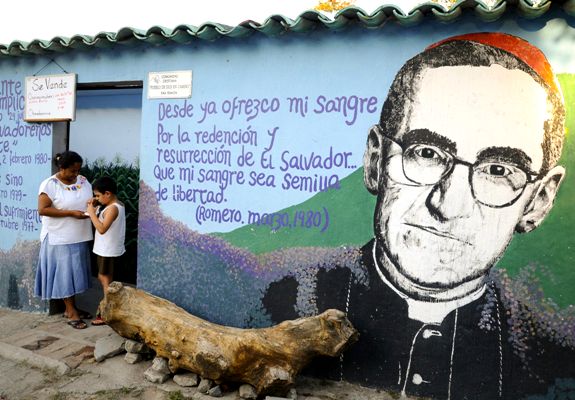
<point>110,214</point>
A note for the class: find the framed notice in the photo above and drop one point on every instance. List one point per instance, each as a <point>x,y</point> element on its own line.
<point>170,85</point>
<point>50,98</point>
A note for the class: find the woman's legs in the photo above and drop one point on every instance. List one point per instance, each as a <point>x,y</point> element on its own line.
<point>73,315</point>
<point>71,311</point>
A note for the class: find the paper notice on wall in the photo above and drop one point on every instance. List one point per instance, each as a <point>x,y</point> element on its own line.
<point>170,85</point>
<point>50,98</point>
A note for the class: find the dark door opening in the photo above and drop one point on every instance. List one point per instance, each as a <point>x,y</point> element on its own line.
<point>106,133</point>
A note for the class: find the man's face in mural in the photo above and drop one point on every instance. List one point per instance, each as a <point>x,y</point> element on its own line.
<point>460,175</point>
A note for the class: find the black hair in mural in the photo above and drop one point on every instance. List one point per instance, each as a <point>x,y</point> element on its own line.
<point>460,53</point>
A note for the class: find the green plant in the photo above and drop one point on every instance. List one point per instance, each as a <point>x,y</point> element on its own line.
<point>176,396</point>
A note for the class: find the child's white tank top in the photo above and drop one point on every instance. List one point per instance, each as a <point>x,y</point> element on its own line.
<point>111,243</point>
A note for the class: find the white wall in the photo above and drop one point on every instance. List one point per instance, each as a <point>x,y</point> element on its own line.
<point>107,125</point>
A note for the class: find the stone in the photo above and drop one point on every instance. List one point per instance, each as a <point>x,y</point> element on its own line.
<point>200,396</point>
<point>108,346</point>
<point>133,358</point>
<point>205,385</point>
<point>133,346</point>
<point>76,358</point>
<point>155,376</point>
<point>292,394</point>
<point>216,391</point>
<point>247,391</point>
<point>160,364</point>
<point>188,379</point>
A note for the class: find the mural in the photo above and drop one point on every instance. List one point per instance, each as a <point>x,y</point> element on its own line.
<point>447,240</point>
<point>24,148</point>
<point>464,157</point>
<point>455,177</point>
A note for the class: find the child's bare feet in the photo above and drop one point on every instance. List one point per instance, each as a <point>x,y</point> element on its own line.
<point>98,321</point>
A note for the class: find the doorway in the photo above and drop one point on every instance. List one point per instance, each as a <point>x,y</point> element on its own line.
<point>106,133</point>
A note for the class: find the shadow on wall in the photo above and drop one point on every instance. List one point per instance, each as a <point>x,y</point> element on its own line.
<point>13,296</point>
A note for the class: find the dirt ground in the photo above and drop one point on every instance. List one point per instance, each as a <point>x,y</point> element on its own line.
<point>21,381</point>
<point>30,371</point>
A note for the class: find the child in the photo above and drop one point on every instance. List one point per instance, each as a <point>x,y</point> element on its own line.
<point>110,227</point>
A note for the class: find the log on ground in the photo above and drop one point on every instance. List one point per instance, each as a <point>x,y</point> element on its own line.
<point>269,359</point>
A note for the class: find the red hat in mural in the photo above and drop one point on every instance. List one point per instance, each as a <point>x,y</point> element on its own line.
<point>520,48</point>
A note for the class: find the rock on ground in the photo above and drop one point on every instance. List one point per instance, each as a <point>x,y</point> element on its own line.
<point>205,385</point>
<point>247,392</point>
<point>108,346</point>
<point>155,376</point>
<point>187,379</point>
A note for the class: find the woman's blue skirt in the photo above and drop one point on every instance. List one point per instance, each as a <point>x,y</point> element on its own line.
<point>63,270</point>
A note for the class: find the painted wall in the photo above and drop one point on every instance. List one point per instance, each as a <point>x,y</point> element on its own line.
<point>26,160</point>
<point>253,207</point>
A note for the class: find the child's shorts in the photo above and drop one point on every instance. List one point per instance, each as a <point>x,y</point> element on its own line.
<point>106,265</point>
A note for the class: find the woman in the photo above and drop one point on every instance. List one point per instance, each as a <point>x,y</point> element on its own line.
<point>64,262</point>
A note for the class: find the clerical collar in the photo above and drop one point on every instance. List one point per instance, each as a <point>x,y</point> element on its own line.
<point>426,311</point>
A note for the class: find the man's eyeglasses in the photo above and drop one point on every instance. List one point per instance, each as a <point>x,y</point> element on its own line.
<point>493,183</point>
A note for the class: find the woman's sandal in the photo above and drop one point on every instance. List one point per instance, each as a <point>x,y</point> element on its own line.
<point>98,321</point>
<point>77,324</point>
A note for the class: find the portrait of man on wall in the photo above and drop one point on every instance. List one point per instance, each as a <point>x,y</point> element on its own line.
<point>463,158</point>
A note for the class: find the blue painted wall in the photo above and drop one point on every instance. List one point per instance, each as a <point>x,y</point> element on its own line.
<point>197,246</point>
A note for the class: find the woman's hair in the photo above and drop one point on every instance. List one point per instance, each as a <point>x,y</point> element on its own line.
<point>67,159</point>
<point>105,184</point>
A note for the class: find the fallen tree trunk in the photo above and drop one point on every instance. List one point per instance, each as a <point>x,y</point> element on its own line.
<point>269,359</point>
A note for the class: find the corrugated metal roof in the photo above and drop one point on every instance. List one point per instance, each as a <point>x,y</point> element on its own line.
<point>278,25</point>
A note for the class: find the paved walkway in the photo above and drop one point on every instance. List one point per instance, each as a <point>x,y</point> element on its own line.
<point>41,357</point>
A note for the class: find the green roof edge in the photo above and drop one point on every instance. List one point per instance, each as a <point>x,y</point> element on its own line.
<point>279,25</point>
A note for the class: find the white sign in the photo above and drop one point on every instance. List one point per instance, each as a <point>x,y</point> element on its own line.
<point>170,85</point>
<point>50,98</point>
